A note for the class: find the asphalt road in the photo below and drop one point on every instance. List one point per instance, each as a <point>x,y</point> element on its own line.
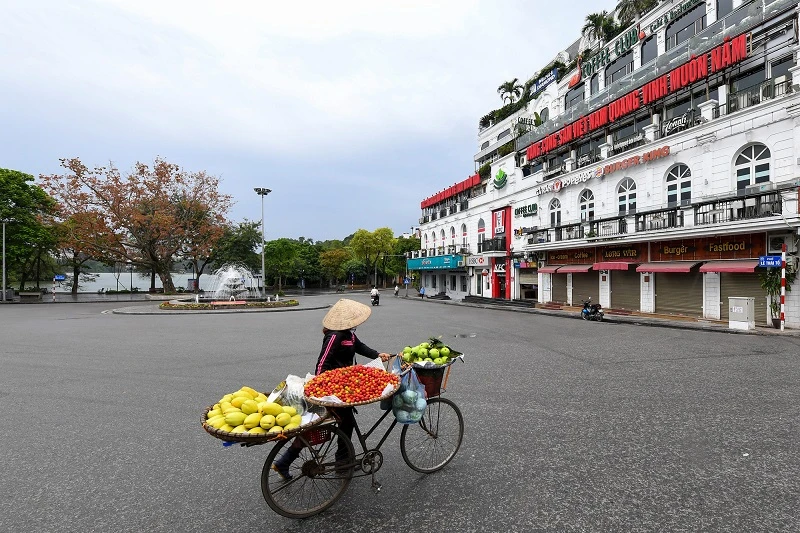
<point>570,426</point>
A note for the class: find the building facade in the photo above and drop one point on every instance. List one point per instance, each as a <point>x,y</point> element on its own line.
<point>651,176</point>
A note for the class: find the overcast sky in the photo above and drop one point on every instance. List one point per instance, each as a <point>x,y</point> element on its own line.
<point>351,112</point>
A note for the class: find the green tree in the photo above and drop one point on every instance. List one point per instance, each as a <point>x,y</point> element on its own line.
<point>280,259</point>
<point>238,244</point>
<point>332,264</point>
<point>630,10</point>
<point>370,246</point>
<point>510,90</point>
<point>596,24</point>
<point>30,239</point>
<point>357,269</point>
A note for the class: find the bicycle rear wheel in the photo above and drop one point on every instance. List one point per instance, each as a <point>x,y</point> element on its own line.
<point>316,482</point>
<point>433,442</point>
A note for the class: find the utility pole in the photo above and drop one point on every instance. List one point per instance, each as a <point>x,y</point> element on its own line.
<point>263,192</point>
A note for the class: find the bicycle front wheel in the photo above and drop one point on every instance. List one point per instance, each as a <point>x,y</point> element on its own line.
<point>433,442</point>
<point>316,480</point>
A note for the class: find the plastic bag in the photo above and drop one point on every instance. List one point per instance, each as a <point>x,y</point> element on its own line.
<point>293,394</point>
<point>410,402</point>
<point>395,367</point>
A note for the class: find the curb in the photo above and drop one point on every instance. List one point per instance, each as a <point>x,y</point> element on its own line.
<point>154,310</point>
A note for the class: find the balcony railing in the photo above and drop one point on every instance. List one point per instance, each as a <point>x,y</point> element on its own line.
<point>588,158</point>
<point>569,232</point>
<point>656,220</point>
<point>498,244</point>
<point>451,249</point>
<point>609,227</point>
<point>756,94</point>
<point>740,208</point>
<point>539,237</point>
<point>464,249</point>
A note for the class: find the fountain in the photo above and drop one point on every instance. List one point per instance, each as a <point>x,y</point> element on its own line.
<point>233,283</point>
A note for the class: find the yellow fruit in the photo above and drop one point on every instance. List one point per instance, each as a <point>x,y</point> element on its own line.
<point>283,419</point>
<point>224,405</point>
<point>227,427</point>
<point>239,429</point>
<point>243,394</point>
<point>217,422</point>
<point>257,430</point>
<point>272,408</point>
<point>235,419</point>
<point>267,421</point>
<point>250,390</point>
<point>290,427</point>
<point>238,401</point>
<point>275,429</point>
<point>252,420</point>
<point>297,419</point>
<point>214,412</point>
<point>231,409</point>
<point>291,411</point>
<point>216,406</point>
<point>249,407</point>
<point>260,398</point>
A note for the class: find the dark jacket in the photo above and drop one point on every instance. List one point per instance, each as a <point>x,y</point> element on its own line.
<point>339,349</point>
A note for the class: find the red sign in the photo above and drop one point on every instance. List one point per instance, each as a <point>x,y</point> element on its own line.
<point>729,53</point>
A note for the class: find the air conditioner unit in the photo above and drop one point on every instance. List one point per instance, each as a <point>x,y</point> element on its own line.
<point>759,188</point>
<point>460,263</point>
<point>775,243</point>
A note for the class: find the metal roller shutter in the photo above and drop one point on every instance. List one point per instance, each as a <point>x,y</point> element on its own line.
<point>679,294</point>
<point>584,286</point>
<point>746,285</point>
<point>528,276</point>
<point>625,289</point>
<point>559,290</point>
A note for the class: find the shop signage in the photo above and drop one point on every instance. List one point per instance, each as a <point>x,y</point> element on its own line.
<point>499,226</point>
<point>584,160</point>
<point>729,53</point>
<point>441,262</point>
<point>621,253</point>
<point>618,48</point>
<point>557,185</point>
<point>636,160</point>
<point>624,143</point>
<point>674,13</point>
<point>770,261</point>
<point>679,123</point>
<point>526,210</point>
<point>500,268</point>
<point>544,81</point>
<point>476,261</point>
<point>728,247</point>
<point>500,179</point>
<point>677,251</point>
<point>748,246</point>
<point>555,257</point>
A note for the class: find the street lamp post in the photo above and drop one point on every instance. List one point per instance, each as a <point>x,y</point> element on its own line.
<point>4,261</point>
<point>130,287</point>
<point>262,192</point>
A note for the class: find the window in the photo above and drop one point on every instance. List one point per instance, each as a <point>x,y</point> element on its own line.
<point>781,66</point>
<point>627,196</point>
<point>426,240</point>
<point>453,282</point>
<point>752,166</point>
<point>544,115</point>
<point>679,185</point>
<point>574,96</point>
<point>463,283</point>
<point>452,235</point>
<point>649,49</point>
<point>485,145</point>
<point>688,25</point>
<point>464,235</point>
<point>504,133</point>
<point>589,151</point>
<point>594,84</point>
<point>442,234</point>
<point>555,212</point>
<point>724,7</point>
<point>481,231</point>
<point>586,205</point>
<point>620,67</point>
<point>748,79</point>
<point>433,281</point>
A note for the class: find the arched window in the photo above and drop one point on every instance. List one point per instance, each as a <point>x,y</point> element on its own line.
<point>481,231</point>
<point>679,185</point>
<point>426,240</point>
<point>752,166</point>
<point>586,205</point>
<point>464,235</point>
<point>452,235</point>
<point>544,115</point>
<point>555,212</point>
<point>442,235</point>
<point>627,196</point>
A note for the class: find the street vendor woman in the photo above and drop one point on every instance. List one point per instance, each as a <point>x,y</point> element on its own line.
<point>339,348</point>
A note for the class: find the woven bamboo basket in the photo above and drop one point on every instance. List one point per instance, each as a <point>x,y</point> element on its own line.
<point>323,403</point>
<point>247,438</point>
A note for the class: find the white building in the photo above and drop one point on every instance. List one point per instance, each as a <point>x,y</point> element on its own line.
<point>665,164</point>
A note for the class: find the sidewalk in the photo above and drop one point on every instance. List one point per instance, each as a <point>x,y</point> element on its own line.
<point>636,318</point>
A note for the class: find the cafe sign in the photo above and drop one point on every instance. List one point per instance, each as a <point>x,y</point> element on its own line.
<point>526,210</point>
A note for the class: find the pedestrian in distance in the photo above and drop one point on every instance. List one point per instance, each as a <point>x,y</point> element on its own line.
<point>422,292</point>
<point>396,290</point>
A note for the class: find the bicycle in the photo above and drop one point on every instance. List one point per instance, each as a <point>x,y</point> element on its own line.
<point>318,480</point>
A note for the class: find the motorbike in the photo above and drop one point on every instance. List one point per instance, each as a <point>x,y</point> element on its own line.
<point>376,299</point>
<point>591,311</point>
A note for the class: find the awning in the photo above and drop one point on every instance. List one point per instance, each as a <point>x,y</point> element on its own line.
<point>574,269</point>
<point>667,266</point>
<point>613,265</point>
<point>549,269</point>
<point>748,265</point>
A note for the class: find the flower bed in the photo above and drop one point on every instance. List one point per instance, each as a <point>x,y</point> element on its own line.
<point>192,306</point>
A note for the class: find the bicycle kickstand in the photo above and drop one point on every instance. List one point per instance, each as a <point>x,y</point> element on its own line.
<point>376,487</point>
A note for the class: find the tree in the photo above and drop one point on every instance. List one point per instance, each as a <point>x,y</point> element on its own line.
<point>237,245</point>
<point>154,215</point>
<point>595,26</point>
<point>510,90</point>
<point>332,263</point>
<point>27,209</point>
<point>369,246</point>
<point>280,258</point>
<point>630,10</point>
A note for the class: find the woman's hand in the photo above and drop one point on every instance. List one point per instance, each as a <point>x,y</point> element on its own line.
<point>384,356</point>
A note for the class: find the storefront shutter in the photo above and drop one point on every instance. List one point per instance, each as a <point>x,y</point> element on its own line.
<point>584,286</point>
<point>745,285</point>
<point>559,288</point>
<point>625,289</point>
<point>679,294</point>
<point>528,276</point>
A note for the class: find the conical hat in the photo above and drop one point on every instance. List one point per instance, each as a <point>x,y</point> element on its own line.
<point>346,314</point>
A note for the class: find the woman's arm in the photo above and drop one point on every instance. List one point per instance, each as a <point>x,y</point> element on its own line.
<point>326,361</point>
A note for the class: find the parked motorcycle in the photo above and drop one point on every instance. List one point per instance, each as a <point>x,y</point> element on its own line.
<point>375,299</point>
<point>591,311</point>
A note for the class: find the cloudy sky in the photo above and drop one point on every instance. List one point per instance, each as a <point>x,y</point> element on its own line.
<point>351,112</point>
